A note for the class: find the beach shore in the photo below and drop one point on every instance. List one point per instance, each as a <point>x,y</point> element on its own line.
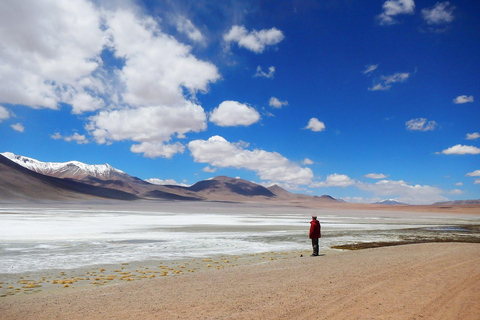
<point>429,281</point>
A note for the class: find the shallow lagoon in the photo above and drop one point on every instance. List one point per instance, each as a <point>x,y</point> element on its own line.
<point>71,235</point>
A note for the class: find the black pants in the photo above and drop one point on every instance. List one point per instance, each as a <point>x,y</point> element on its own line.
<point>315,246</point>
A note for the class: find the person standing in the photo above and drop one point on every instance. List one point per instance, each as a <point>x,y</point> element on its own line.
<point>315,234</point>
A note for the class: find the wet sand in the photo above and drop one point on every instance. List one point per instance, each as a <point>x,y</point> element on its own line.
<point>429,281</point>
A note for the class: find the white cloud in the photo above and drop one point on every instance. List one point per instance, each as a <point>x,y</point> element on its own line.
<point>461,150</point>
<point>386,82</point>
<point>82,102</point>
<point>154,85</point>
<point>463,99</point>
<point>475,173</point>
<point>209,169</point>
<point>157,67</point>
<point>315,125</point>
<point>375,176</point>
<point>379,87</point>
<point>4,113</point>
<point>78,138</point>
<point>476,181</point>
<point>275,103</point>
<point>420,124</point>
<point>370,68</point>
<point>47,47</point>
<point>459,184</point>
<point>403,192</point>
<point>233,113</point>
<point>155,124</point>
<point>473,136</point>
<point>186,27</point>
<point>161,182</point>
<point>18,127</point>
<point>158,149</point>
<point>440,13</point>
<point>263,74</point>
<point>392,8</point>
<point>157,70</point>
<point>270,166</point>
<point>307,162</point>
<point>455,191</point>
<point>335,180</point>
<point>255,41</point>
<point>397,77</point>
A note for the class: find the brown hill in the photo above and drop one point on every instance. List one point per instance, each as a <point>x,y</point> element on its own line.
<point>457,202</point>
<point>226,188</point>
<point>19,183</point>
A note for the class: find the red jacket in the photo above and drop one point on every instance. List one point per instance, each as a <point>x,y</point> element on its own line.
<point>315,230</point>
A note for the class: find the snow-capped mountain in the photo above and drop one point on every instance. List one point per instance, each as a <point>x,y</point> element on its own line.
<point>390,202</point>
<point>72,169</point>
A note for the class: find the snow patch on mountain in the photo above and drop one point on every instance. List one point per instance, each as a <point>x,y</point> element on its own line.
<point>390,202</point>
<point>72,169</point>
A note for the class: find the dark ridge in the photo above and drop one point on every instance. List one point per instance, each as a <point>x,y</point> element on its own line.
<point>457,202</point>
<point>158,194</point>
<point>246,189</point>
<point>205,184</point>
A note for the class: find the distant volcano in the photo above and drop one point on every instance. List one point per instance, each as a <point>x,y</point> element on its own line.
<point>391,202</point>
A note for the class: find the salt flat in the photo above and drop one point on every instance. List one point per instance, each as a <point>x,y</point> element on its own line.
<point>44,246</point>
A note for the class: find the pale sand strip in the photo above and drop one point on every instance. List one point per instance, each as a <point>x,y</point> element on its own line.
<point>425,281</point>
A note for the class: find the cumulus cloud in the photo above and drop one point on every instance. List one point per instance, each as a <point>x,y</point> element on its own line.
<point>186,27</point>
<point>404,192</point>
<point>157,71</point>
<point>157,68</point>
<point>4,113</point>
<point>421,124</point>
<point>440,13</point>
<point>475,173</point>
<point>18,127</point>
<point>254,40</point>
<point>148,96</point>
<point>315,125</point>
<point>78,138</point>
<point>370,68</point>
<point>461,150</point>
<point>276,103</point>
<point>269,166</point>
<point>307,162</point>
<point>151,126</point>
<point>463,99</point>
<point>392,8</point>
<point>335,180</point>
<point>161,182</point>
<point>158,149</point>
<point>36,72</point>
<point>375,176</point>
<point>209,169</point>
<point>385,82</point>
<point>262,74</point>
<point>233,113</point>
<point>473,136</point>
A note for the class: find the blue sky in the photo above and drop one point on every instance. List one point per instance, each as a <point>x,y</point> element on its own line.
<point>361,100</point>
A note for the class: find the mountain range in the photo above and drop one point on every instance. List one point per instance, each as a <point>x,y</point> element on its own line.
<point>29,179</point>
<point>26,179</point>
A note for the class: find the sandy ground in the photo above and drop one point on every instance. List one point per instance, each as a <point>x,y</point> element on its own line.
<point>424,281</point>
